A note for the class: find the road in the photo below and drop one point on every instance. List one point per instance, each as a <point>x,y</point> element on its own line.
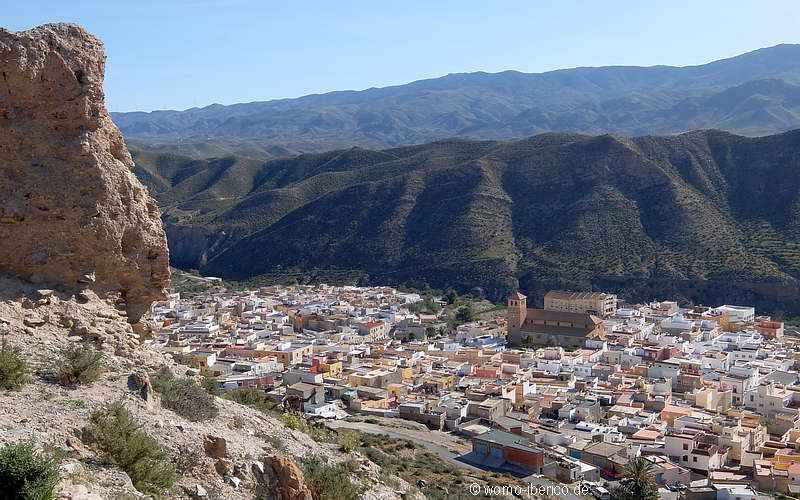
<point>451,457</point>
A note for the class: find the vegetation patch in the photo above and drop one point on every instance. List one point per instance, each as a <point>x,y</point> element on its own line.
<point>254,398</point>
<point>183,396</point>
<point>329,482</point>
<point>13,368</point>
<point>114,431</point>
<point>26,474</point>
<point>79,364</point>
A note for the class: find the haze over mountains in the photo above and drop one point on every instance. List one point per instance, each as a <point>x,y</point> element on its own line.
<point>708,216</point>
<point>756,93</point>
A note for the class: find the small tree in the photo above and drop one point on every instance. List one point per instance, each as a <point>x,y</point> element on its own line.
<point>465,314</point>
<point>451,296</point>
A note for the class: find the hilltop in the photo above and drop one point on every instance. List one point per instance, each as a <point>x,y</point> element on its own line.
<point>706,216</point>
<point>752,94</point>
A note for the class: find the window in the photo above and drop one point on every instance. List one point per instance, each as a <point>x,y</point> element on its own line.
<point>686,458</point>
<point>685,446</point>
<point>694,459</point>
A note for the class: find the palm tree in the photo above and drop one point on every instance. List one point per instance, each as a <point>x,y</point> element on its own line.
<point>641,484</point>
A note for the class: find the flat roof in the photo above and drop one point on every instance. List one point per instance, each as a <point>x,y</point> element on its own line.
<point>508,440</point>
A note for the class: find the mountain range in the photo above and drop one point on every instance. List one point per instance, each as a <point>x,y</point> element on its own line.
<point>705,216</point>
<point>752,94</point>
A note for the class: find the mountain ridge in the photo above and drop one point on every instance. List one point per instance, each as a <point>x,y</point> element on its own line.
<point>700,215</point>
<point>623,100</point>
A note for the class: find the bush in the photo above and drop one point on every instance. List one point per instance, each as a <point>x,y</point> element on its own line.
<point>320,434</point>
<point>348,440</point>
<point>328,482</point>
<point>26,474</point>
<point>79,364</point>
<point>295,421</point>
<point>211,385</point>
<point>13,369</point>
<point>183,396</point>
<point>114,431</point>
<point>252,397</point>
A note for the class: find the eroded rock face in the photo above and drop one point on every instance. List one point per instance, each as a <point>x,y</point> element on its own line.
<point>72,214</point>
<point>291,481</point>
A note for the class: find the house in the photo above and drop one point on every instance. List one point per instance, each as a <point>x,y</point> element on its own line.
<point>499,447</point>
<point>418,413</point>
<point>201,360</point>
<point>695,450</point>
<point>300,394</point>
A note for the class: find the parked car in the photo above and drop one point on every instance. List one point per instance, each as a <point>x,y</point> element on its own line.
<point>601,493</point>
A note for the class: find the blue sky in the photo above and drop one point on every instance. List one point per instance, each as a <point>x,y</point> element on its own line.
<point>180,54</point>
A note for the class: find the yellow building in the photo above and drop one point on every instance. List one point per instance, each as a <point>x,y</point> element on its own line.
<point>333,370</point>
<point>710,398</point>
<point>441,382</point>
<point>201,360</point>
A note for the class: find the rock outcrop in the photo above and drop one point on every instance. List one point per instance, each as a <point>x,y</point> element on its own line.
<point>72,214</point>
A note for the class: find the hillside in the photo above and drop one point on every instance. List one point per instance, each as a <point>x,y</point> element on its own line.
<point>755,93</point>
<point>706,216</point>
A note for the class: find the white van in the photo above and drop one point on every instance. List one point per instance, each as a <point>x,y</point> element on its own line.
<point>601,493</point>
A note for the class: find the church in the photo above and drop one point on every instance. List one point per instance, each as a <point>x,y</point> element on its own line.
<point>540,326</point>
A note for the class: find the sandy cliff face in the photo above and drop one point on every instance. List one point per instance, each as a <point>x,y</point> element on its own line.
<point>72,214</point>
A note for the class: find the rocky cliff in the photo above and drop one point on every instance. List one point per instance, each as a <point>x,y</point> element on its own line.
<point>72,214</point>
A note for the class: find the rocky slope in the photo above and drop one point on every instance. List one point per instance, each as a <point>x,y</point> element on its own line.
<point>225,447</point>
<point>706,216</point>
<point>71,212</point>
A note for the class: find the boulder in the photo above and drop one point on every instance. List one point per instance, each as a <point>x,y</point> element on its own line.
<point>291,481</point>
<point>139,382</point>
<point>215,446</point>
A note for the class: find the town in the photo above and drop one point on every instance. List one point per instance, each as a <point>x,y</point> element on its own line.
<point>567,393</point>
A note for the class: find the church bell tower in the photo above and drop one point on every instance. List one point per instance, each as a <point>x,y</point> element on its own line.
<point>515,316</point>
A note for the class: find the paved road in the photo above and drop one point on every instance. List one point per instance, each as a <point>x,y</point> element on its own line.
<point>562,490</point>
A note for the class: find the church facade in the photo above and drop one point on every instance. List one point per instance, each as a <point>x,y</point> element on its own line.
<point>542,327</point>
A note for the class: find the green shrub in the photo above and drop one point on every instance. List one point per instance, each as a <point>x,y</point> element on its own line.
<point>320,434</point>
<point>348,440</point>
<point>183,396</point>
<point>13,369</point>
<point>114,431</point>
<point>25,474</point>
<point>79,364</point>
<point>294,420</point>
<point>372,421</point>
<point>328,482</point>
<point>211,385</point>
<point>254,398</point>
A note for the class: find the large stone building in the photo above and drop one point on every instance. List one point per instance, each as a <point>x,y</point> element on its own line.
<point>540,326</point>
<point>597,303</point>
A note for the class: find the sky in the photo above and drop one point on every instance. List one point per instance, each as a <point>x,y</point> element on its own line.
<point>178,54</point>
